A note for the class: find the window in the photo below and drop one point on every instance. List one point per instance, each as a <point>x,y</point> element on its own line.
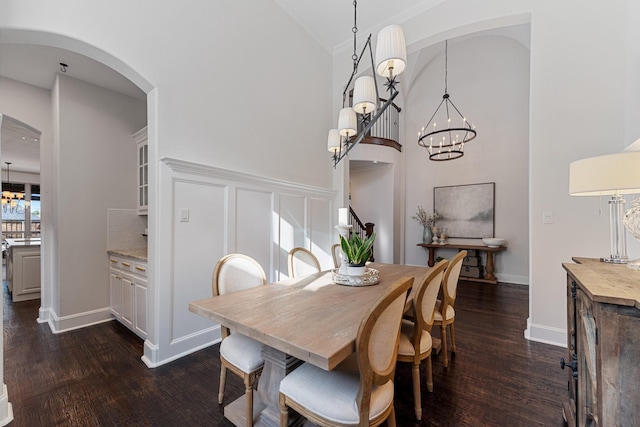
<point>20,210</point>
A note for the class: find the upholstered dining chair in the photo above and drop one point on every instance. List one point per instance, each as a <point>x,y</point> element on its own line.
<point>359,391</point>
<point>415,337</point>
<point>336,254</point>
<point>445,313</point>
<point>302,262</point>
<point>239,353</point>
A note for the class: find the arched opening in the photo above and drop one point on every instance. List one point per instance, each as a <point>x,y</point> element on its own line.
<point>74,181</point>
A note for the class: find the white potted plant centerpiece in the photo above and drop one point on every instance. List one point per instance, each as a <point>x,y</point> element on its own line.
<point>358,252</point>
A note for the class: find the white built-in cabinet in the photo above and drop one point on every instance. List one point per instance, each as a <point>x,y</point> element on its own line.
<point>128,293</point>
<point>140,138</point>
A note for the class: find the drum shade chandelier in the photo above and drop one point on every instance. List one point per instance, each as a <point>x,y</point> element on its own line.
<point>447,131</point>
<point>390,61</point>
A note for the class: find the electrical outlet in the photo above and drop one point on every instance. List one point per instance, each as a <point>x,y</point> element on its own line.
<point>547,217</point>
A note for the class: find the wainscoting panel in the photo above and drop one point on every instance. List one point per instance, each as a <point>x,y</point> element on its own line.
<point>253,229</point>
<point>321,233</point>
<point>212,212</point>
<point>198,242</point>
<point>293,230</point>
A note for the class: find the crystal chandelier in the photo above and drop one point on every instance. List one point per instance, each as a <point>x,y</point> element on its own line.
<point>447,131</point>
<point>391,60</point>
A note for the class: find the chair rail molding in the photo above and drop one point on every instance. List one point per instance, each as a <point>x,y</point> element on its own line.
<point>194,168</point>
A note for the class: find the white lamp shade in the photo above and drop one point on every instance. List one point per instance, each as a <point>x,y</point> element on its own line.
<point>391,51</point>
<point>364,95</point>
<point>333,142</point>
<point>617,173</point>
<point>347,122</point>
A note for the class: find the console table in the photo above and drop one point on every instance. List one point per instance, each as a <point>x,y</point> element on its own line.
<point>489,269</point>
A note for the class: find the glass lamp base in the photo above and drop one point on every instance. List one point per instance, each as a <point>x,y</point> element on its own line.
<point>634,265</point>
<point>615,260</point>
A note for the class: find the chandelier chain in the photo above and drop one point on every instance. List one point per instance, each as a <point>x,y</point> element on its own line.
<point>354,57</point>
<point>446,65</point>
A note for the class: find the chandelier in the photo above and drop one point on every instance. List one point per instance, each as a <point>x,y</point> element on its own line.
<point>447,130</point>
<point>11,200</point>
<point>391,60</point>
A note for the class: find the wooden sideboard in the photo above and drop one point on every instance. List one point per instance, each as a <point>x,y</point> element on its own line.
<point>603,344</point>
<point>489,276</point>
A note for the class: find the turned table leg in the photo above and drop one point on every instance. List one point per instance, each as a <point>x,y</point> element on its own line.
<point>432,259</point>
<point>490,267</point>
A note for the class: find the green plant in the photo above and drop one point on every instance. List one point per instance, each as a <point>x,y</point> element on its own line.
<point>358,250</point>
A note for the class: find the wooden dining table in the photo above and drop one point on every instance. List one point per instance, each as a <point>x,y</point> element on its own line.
<point>308,319</point>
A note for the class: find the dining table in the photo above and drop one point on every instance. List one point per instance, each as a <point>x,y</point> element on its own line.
<point>303,319</point>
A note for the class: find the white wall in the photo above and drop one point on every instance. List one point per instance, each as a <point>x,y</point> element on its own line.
<point>583,80</point>
<point>488,80</point>
<point>201,96</point>
<point>228,212</point>
<point>372,199</point>
<point>32,105</point>
<point>224,89</point>
<point>96,171</point>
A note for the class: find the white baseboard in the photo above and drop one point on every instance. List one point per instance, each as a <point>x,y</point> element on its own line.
<point>6,410</point>
<point>43,315</point>
<point>513,278</point>
<point>75,321</point>
<point>546,334</point>
<point>180,347</point>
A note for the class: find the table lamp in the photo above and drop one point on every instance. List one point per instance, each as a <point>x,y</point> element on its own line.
<point>615,175</point>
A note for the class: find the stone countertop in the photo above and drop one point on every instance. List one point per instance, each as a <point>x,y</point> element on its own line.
<point>24,242</point>
<point>139,254</point>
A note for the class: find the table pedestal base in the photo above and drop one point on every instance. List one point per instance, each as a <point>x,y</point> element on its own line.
<point>266,409</point>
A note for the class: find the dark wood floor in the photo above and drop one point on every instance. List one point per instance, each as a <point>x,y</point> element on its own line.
<point>94,376</point>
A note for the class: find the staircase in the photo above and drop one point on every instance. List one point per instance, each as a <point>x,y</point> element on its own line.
<point>362,230</point>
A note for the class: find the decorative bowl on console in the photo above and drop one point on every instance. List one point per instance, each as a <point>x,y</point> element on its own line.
<point>493,242</point>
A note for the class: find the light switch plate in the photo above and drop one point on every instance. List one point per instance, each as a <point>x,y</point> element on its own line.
<point>184,215</point>
<point>547,217</point>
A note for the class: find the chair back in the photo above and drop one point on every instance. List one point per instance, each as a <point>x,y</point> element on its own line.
<point>450,280</point>
<point>424,300</point>
<point>336,253</point>
<point>235,272</point>
<point>302,262</point>
<point>377,342</point>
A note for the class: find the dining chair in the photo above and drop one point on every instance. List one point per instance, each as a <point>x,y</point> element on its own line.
<point>359,391</point>
<point>238,353</point>
<point>445,313</point>
<point>415,336</point>
<point>336,254</point>
<point>302,262</point>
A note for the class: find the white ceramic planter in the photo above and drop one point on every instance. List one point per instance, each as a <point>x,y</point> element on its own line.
<point>355,270</point>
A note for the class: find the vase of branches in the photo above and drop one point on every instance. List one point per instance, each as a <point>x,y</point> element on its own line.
<point>427,221</point>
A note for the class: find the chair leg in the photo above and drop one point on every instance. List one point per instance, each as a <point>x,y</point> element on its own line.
<point>248,395</point>
<point>223,379</point>
<point>443,339</point>
<point>416,390</point>
<point>391,419</point>
<point>453,338</point>
<point>429,375</point>
<point>284,411</point>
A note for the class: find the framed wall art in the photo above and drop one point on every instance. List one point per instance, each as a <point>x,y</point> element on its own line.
<point>466,211</point>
